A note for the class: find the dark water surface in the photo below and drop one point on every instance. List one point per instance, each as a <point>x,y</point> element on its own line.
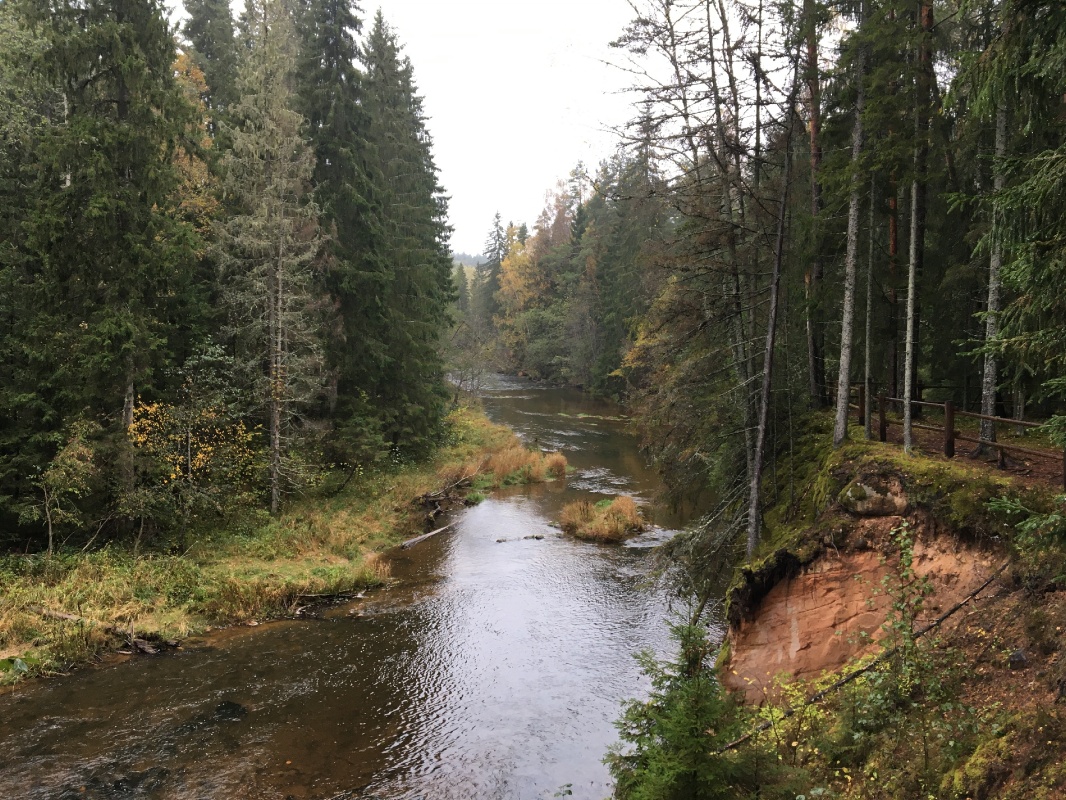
<point>491,670</point>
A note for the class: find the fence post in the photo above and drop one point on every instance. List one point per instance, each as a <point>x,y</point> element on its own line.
<point>862,404</point>
<point>949,429</point>
<point>882,429</point>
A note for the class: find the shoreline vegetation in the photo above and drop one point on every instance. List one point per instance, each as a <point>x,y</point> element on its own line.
<point>59,612</point>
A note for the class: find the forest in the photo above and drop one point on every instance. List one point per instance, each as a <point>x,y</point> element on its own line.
<point>224,259</point>
<point>818,199</point>
<point>813,196</point>
<point>234,339</point>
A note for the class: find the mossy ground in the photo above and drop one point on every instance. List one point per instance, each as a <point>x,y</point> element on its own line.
<point>803,517</point>
<point>261,567</point>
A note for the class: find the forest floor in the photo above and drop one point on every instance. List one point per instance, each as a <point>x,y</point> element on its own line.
<point>60,611</point>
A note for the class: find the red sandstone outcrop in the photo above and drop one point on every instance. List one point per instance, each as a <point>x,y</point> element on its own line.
<point>835,608</point>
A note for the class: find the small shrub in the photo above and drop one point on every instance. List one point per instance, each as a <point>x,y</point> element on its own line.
<point>555,465</point>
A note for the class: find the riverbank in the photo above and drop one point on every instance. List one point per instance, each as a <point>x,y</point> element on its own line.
<point>898,633</point>
<point>58,612</point>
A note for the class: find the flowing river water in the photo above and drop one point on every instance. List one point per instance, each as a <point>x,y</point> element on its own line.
<point>490,669</point>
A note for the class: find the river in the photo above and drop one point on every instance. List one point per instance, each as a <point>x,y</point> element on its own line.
<point>491,669</point>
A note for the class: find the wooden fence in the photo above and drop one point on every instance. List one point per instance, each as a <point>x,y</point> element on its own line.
<point>948,432</point>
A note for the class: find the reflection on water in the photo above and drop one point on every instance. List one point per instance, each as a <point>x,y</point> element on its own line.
<point>494,669</point>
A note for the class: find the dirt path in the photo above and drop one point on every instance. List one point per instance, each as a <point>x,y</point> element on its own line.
<point>1026,468</point>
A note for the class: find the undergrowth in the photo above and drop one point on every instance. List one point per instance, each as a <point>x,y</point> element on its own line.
<point>254,568</point>
<point>939,716</point>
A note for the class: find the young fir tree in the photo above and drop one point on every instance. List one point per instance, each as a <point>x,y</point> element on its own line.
<point>487,279</point>
<point>268,249</point>
<point>410,241</point>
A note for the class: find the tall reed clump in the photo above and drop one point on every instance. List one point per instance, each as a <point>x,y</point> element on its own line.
<point>606,521</point>
<point>517,465</point>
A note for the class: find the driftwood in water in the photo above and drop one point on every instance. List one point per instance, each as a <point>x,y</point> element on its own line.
<point>140,643</point>
<point>424,536</point>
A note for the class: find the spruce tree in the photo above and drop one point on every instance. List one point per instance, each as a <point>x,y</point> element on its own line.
<point>329,95</point>
<point>109,287</point>
<point>410,242</point>
<point>487,279</point>
<point>209,30</point>
<point>268,249</point>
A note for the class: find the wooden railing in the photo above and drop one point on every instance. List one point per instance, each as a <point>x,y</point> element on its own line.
<point>950,435</point>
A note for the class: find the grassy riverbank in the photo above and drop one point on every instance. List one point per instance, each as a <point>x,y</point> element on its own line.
<point>257,568</point>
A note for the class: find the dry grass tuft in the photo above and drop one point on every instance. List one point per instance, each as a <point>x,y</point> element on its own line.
<point>516,464</point>
<point>507,463</point>
<point>378,567</point>
<point>555,464</point>
<point>602,522</point>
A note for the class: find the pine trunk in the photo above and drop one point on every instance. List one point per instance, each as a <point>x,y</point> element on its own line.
<point>813,278</point>
<point>867,382</point>
<point>754,518</point>
<point>917,244</point>
<point>276,389</point>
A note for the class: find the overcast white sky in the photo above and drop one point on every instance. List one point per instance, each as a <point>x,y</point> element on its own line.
<point>516,94</point>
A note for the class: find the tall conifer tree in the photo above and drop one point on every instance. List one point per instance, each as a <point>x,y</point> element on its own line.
<point>410,241</point>
<point>209,30</point>
<point>329,96</point>
<point>112,274</point>
<point>268,250</point>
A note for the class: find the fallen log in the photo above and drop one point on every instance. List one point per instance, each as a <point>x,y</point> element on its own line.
<point>445,491</point>
<point>424,536</point>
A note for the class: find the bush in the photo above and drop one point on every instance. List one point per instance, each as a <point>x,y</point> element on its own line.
<point>669,741</point>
